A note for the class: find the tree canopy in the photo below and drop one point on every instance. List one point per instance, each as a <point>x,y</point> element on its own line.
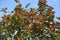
<point>37,24</point>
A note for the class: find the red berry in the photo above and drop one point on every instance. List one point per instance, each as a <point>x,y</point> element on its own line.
<point>48,23</point>
<point>28,19</point>
<point>32,18</point>
<point>26,27</point>
<point>26,14</point>
<point>37,23</point>
<point>41,18</point>
<point>52,29</point>
<point>42,27</point>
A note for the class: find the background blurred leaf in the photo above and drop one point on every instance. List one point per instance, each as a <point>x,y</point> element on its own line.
<point>58,18</point>
<point>27,5</point>
<point>4,10</point>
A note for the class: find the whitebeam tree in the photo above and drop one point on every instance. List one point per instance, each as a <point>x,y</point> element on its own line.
<point>37,24</point>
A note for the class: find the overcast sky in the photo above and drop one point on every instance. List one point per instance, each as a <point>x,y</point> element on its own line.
<point>11,5</point>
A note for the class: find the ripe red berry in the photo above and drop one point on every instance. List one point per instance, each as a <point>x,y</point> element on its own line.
<point>37,23</point>
<point>32,18</point>
<point>26,26</point>
<point>41,18</point>
<point>28,19</point>
<point>27,14</point>
<point>52,29</point>
<point>48,23</point>
<point>42,27</point>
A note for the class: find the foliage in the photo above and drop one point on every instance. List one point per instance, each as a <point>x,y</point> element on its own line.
<point>37,24</point>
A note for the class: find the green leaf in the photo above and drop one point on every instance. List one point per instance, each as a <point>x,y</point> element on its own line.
<point>44,38</point>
